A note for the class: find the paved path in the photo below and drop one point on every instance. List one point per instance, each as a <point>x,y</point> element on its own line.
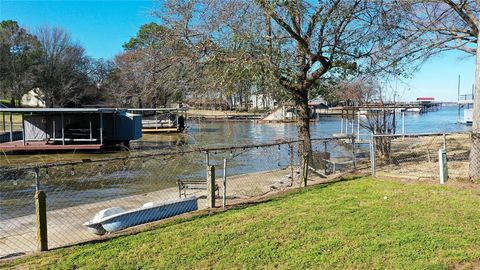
<point>18,235</point>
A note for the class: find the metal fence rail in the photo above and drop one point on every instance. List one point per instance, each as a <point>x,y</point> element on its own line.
<point>76,191</point>
<point>216,176</point>
<point>416,155</point>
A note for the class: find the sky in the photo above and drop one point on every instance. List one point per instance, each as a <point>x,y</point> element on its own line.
<point>102,27</point>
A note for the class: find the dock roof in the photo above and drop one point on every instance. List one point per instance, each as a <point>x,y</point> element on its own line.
<point>62,110</point>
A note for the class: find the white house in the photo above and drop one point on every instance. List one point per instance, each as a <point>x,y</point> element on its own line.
<point>34,98</point>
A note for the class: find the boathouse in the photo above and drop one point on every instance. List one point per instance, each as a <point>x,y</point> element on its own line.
<point>67,128</point>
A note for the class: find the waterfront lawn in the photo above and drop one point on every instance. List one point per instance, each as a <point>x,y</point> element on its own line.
<point>361,223</point>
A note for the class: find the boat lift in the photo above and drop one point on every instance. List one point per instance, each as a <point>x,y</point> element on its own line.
<point>158,120</point>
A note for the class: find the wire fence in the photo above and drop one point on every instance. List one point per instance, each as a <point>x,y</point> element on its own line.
<point>416,156</point>
<point>89,197</point>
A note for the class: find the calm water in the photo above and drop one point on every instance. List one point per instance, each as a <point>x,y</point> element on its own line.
<point>228,133</point>
<point>223,133</point>
<point>90,183</point>
<point>444,120</point>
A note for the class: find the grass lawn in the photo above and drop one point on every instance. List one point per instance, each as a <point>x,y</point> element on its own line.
<point>361,224</point>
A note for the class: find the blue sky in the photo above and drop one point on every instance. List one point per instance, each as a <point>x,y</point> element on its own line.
<point>103,26</point>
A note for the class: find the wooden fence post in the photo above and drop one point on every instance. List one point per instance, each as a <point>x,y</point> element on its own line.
<point>211,187</point>
<point>305,169</point>
<point>41,214</point>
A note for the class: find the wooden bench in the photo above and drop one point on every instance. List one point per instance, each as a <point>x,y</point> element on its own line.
<point>183,185</point>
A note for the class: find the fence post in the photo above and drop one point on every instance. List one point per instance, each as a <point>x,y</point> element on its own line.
<point>224,182</point>
<point>207,162</point>
<point>305,169</point>
<point>325,160</point>
<point>41,214</point>
<point>372,154</point>
<point>354,154</point>
<point>291,160</point>
<point>390,149</point>
<point>211,187</point>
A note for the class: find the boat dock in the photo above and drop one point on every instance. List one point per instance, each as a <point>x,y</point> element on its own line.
<point>465,103</point>
<point>56,129</point>
<point>158,120</point>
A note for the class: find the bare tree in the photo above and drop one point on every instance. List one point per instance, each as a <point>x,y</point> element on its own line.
<point>155,67</point>
<point>448,25</point>
<point>63,67</point>
<point>293,44</point>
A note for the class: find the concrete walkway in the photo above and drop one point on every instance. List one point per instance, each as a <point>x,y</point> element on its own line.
<point>18,235</point>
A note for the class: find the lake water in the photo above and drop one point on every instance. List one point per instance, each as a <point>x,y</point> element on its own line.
<point>68,186</point>
<point>227,133</point>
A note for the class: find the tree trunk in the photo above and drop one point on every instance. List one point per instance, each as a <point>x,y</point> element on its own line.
<point>304,133</point>
<point>475,136</point>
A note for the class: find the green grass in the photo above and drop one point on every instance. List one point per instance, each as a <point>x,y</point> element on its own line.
<point>361,224</point>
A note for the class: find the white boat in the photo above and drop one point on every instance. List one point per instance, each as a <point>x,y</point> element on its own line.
<point>116,219</point>
<point>414,110</point>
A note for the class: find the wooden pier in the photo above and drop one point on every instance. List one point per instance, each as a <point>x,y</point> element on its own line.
<point>57,129</point>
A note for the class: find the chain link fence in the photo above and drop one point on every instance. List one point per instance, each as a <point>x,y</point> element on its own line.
<point>416,156</point>
<point>137,186</point>
<point>221,176</point>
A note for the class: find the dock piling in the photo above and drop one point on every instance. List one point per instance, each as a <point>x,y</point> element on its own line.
<point>341,125</point>
<point>11,128</point>
<point>63,128</point>
<point>23,130</point>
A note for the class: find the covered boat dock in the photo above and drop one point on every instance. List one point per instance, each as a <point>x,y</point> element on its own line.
<point>68,128</point>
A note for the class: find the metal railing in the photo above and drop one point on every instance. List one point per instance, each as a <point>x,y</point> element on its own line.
<point>71,193</point>
<point>416,155</point>
<point>74,192</point>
